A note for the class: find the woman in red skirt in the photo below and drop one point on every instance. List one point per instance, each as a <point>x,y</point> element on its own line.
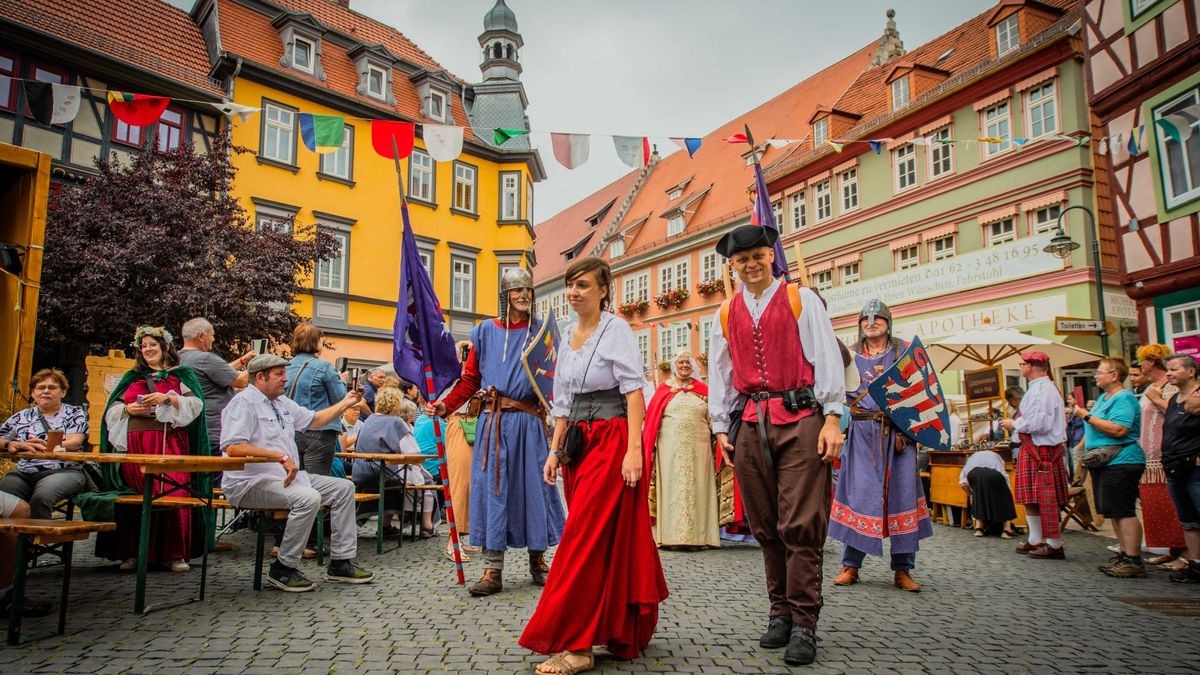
<point>606,582</point>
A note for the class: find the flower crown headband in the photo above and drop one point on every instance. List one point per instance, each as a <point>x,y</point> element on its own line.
<point>153,331</point>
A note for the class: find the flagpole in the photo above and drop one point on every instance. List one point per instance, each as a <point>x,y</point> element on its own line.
<point>437,426</point>
<point>787,269</point>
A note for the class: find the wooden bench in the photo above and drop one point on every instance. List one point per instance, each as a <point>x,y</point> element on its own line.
<point>36,537</point>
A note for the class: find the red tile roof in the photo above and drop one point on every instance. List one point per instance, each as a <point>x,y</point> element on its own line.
<point>721,165</point>
<point>563,231</point>
<point>147,34</point>
<point>249,34</point>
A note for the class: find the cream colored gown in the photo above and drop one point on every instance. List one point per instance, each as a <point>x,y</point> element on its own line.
<point>685,486</point>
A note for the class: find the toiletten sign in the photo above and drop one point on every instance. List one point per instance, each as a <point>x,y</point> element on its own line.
<point>985,267</point>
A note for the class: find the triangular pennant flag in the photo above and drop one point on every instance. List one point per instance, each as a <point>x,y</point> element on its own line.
<point>66,103</point>
<point>689,144</point>
<point>633,150</point>
<point>920,140</point>
<point>943,141</point>
<point>1185,121</point>
<point>737,138</point>
<point>40,99</point>
<point>991,139</point>
<point>1020,142</point>
<point>231,109</point>
<point>1169,129</point>
<point>443,141</point>
<point>501,136</point>
<point>393,140</point>
<point>876,146</point>
<point>1114,143</point>
<point>1103,148</point>
<point>137,110</point>
<point>779,142</point>
<point>1134,138</point>
<point>836,145</point>
<point>571,150</point>
<point>1082,141</point>
<point>322,134</point>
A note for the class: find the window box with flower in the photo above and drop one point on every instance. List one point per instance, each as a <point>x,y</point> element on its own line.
<point>672,298</point>
<point>702,358</point>
<point>710,287</point>
<point>631,309</point>
<point>664,366</point>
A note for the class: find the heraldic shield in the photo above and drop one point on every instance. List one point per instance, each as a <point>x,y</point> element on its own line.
<point>539,359</point>
<point>910,394</point>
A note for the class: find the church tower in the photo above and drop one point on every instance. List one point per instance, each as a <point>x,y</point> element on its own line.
<point>499,101</point>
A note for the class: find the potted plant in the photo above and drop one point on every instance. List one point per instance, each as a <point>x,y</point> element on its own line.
<point>673,298</point>
<point>631,309</point>
<point>664,366</point>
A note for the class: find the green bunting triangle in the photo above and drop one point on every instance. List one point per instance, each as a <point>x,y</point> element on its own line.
<point>501,136</point>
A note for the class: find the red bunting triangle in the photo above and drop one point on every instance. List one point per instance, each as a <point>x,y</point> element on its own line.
<point>137,110</point>
<point>393,140</point>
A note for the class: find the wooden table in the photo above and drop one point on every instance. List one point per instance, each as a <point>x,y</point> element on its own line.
<point>944,490</point>
<point>385,458</point>
<point>156,468</point>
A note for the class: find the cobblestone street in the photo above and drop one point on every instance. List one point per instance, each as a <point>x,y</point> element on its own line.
<point>983,609</point>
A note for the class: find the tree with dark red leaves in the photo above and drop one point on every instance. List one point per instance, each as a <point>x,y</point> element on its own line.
<point>157,240</point>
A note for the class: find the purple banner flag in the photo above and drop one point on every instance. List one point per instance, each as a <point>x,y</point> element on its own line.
<point>419,335</point>
<point>764,215</point>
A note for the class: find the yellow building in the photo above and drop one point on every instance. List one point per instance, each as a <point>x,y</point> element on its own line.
<point>472,216</point>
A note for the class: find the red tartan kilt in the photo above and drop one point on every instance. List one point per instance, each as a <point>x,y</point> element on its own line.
<point>1026,489</point>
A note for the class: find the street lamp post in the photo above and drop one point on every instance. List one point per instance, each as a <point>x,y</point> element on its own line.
<point>1062,245</point>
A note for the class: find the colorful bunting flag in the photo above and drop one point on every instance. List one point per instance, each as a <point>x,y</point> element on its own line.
<point>1184,122</point>
<point>920,140</point>
<point>231,109</point>
<point>322,134</point>
<point>137,110</point>
<point>736,138</point>
<point>1020,142</point>
<point>443,141</point>
<point>571,150</point>
<point>393,140</point>
<point>876,146</point>
<point>1135,136</point>
<point>633,150</point>
<point>502,136</point>
<point>764,215</point>
<point>1103,148</point>
<point>689,144</point>
<point>836,145</point>
<point>66,103</point>
<point>991,139</point>
<point>51,103</point>
<point>1170,129</point>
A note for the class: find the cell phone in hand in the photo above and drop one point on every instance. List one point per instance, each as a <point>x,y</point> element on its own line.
<point>258,346</point>
<point>340,364</point>
<point>141,399</point>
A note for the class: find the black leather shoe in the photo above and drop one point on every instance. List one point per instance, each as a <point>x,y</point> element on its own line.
<point>779,631</point>
<point>801,648</point>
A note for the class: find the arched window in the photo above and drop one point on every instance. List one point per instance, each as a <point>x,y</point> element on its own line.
<point>497,51</point>
<point>508,52</point>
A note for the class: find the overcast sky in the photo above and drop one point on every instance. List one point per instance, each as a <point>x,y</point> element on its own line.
<point>654,67</point>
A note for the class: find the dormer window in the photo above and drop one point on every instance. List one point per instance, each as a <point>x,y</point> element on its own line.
<point>303,54</point>
<point>1008,36</point>
<point>820,132</point>
<point>376,82</point>
<point>675,194</point>
<point>675,225</point>
<point>900,93</point>
<point>437,105</point>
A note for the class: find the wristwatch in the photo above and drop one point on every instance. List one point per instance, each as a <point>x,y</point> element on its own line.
<point>1087,417</point>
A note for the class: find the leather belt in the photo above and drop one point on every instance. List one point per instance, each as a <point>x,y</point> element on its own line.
<point>496,404</point>
<point>139,423</point>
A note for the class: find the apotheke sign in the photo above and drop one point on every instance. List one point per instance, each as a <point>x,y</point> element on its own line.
<point>985,267</point>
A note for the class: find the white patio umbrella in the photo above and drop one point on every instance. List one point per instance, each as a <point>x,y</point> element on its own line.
<point>988,346</point>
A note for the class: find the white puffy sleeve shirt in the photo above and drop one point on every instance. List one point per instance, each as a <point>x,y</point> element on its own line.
<point>617,362</point>
<point>1042,415</point>
<point>816,337</point>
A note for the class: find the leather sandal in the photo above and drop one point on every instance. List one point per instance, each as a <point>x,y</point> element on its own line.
<point>558,664</point>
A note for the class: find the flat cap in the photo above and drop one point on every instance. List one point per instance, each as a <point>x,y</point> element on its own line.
<point>1036,358</point>
<point>746,237</point>
<point>265,362</point>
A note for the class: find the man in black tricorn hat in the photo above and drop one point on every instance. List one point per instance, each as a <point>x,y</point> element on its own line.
<point>776,387</point>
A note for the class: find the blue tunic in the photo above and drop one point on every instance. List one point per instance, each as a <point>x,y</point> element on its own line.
<point>860,517</point>
<point>527,513</point>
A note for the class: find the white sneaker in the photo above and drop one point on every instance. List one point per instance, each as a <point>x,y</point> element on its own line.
<point>129,565</point>
<point>178,566</point>
<point>1115,548</point>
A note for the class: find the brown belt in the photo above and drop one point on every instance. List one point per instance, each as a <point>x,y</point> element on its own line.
<point>496,405</point>
<point>138,423</point>
<point>885,425</point>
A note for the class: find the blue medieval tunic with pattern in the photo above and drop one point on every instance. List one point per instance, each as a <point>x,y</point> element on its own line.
<point>878,491</point>
<point>522,511</point>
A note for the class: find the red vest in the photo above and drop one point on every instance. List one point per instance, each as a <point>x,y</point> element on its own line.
<point>769,356</point>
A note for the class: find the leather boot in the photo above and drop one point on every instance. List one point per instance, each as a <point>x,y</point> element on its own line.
<point>538,569</point>
<point>848,576</point>
<point>488,584</point>
<point>904,581</point>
